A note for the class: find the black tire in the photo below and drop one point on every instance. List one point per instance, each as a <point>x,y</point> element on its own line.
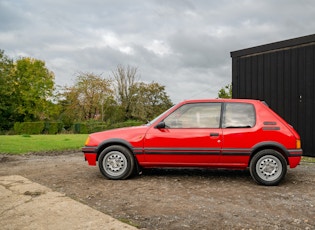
<point>116,162</point>
<point>268,167</point>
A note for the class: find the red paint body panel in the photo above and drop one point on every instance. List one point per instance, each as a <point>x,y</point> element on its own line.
<point>90,158</point>
<point>294,161</point>
<point>182,142</point>
<point>202,147</point>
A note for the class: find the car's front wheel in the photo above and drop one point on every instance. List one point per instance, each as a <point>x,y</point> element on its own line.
<point>268,167</point>
<point>116,162</point>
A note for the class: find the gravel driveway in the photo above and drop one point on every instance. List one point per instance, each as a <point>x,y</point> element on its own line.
<point>177,199</point>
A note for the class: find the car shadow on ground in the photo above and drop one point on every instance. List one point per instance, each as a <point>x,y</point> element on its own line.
<point>197,172</point>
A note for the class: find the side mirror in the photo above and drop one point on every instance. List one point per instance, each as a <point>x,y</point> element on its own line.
<point>161,125</point>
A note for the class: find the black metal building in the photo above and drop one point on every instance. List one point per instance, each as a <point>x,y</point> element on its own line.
<point>283,75</point>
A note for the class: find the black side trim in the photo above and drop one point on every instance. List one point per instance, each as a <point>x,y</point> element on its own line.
<point>198,151</point>
<point>236,152</point>
<point>295,152</point>
<point>183,151</point>
<point>89,149</point>
<point>138,151</point>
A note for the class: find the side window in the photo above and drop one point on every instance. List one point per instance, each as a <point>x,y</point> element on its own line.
<point>238,115</point>
<point>197,115</point>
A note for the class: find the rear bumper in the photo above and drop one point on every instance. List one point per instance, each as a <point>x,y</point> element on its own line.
<point>295,157</point>
<point>90,154</point>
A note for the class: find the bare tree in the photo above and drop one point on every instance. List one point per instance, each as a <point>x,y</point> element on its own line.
<point>125,79</point>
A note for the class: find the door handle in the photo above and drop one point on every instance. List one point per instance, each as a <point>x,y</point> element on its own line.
<point>214,134</point>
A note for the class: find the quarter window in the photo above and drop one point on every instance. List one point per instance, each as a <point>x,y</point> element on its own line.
<point>197,115</point>
<point>238,115</point>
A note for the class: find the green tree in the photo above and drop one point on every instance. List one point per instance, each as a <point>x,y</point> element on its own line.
<point>87,99</point>
<point>225,92</point>
<point>26,90</point>
<point>68,102</point>
<point>33,90</point>
<point>6,90</point>
<point>149,101</point>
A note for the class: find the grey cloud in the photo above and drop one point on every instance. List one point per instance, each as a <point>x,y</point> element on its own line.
<point>184,45</point>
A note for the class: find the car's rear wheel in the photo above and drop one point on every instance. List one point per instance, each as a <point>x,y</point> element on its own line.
<point>268,167</point>
<point>116,162</point>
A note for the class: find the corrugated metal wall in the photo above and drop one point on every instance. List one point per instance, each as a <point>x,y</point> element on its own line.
<point>284,78</point>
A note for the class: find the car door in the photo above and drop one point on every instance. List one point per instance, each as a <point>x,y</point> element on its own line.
<point>239,132</point>
<point>190,136</point>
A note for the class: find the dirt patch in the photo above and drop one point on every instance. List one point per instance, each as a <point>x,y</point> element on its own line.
<point>177,199</point>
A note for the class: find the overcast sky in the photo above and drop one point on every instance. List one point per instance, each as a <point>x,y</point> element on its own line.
<point>184,45</point>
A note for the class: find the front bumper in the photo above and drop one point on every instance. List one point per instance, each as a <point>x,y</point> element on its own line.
<point>90,154</point>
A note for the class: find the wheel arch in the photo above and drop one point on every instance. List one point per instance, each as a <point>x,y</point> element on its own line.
<point>120,142</point>
<point>114,141</point>
<point>270,145</point>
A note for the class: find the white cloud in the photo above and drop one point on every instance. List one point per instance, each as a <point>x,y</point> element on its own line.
<point>159,47</point>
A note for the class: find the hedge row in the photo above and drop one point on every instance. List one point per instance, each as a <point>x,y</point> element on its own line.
<point>57,127</point>
<point>37,127</point>
<point>92,127</point>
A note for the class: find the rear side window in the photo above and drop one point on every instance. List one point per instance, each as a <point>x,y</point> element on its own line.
<point>238,115</point>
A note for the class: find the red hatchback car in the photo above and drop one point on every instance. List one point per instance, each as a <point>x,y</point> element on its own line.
<point>216,133</point>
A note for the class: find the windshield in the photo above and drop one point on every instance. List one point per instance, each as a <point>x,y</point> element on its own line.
<point>158,117</point>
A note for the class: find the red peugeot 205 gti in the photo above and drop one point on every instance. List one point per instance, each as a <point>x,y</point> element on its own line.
<point>216,133</point>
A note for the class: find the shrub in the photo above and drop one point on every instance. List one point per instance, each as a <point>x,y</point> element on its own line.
<point>53,127</point>
<point>93,127</point>
<point>125,124</point>
<point>89,127</point>
<point>29,127</point>
<point>80,128</point>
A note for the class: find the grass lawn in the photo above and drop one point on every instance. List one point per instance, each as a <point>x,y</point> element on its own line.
<point>308,159</point>
<point>20,144</point>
